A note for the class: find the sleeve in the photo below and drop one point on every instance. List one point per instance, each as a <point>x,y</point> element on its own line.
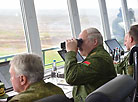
<point>81,73</point>
<point>122,66</point>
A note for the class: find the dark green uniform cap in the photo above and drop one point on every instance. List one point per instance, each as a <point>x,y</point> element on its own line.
<point>3,95</point>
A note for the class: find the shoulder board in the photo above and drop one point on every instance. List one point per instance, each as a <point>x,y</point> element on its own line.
<point>93,54</point>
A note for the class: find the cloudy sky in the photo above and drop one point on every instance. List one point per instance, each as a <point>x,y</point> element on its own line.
<point>52,4</point>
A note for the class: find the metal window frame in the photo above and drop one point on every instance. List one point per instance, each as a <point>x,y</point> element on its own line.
<point>74,17</point>
<point>30,27</point>
<point>104,19</point>
<point>125,15</point>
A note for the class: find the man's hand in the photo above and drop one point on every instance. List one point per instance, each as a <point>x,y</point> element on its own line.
<point>71,45</point>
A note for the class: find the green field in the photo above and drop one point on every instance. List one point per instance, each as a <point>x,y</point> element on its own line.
<point>50,56</point>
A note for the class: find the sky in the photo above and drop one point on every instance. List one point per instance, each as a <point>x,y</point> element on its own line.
<point>52,4</point>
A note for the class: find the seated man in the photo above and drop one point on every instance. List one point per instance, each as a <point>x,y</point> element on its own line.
<point>131,39</point>
<point>27,74</point>
<point>94,71</point>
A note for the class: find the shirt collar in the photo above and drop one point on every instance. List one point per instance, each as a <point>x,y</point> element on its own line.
<point>132,47</point>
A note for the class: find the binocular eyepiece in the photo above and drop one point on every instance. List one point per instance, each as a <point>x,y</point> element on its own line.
<point>79,43</point>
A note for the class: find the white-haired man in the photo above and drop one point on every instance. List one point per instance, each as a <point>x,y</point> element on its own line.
<point>27,74</point>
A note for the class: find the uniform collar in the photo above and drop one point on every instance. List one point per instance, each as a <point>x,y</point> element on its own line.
<point>36,84</point>
<point>95,49</point>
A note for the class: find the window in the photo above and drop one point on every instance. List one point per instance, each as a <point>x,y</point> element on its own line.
<point>12,39</point>
<point>89,14</point>
<point>133,11</point>
<point>116,20</point>
<point>53,24</point>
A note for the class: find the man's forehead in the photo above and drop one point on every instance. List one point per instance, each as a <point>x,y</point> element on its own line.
<point>83,34</point>
<point>11,68</point>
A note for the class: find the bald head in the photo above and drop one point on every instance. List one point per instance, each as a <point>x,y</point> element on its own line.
<point>94,33</point>
<point>91,39</point>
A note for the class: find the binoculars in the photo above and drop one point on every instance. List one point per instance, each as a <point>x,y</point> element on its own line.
<point>79,43</point>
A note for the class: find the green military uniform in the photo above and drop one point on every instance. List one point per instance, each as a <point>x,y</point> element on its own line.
<point>94,71</point>
<point>124,67</point>
<point>37,91</point>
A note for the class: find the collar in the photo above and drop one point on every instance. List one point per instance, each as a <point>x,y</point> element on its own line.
<point>99,47</point>
<point>132,47</point>
<point>36,84</point>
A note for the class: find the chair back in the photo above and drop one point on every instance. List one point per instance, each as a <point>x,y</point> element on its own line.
<point>116,90</point>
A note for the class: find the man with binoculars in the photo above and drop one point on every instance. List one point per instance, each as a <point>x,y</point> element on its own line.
<point>96,69</point>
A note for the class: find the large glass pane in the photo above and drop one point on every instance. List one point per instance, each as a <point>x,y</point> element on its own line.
<point>133,11</point>
<point>89,14</point>
<point>12,39</point>
<point>54,26</point>
<point>116,20</point>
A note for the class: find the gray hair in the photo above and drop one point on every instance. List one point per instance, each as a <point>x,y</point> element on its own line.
<point>29,65</point>
<point>94,33</point>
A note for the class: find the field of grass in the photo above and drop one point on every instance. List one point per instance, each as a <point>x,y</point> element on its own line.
<point>52,55</point>
<point>49,57</point>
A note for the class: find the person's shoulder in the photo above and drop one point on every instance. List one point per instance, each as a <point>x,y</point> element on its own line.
<point>15,99</point>
<point>53,87</point>
<point>22,97</point>
<point>93,54</point>
<point>99,53</point>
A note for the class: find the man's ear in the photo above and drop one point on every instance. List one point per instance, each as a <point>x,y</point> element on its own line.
<point>95,41</point>
<point>131,39</point>
<point>23,79</point>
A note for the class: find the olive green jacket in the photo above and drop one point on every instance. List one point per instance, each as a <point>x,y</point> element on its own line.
<point>37,91</point>
<point>124,68</point>
<point>90,74</point>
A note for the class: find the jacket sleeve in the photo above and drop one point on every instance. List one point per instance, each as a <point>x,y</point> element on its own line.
<point>122,67</point>
<point>81,73</point>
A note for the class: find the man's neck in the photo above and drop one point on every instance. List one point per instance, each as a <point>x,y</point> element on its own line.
<point>132,46</point>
